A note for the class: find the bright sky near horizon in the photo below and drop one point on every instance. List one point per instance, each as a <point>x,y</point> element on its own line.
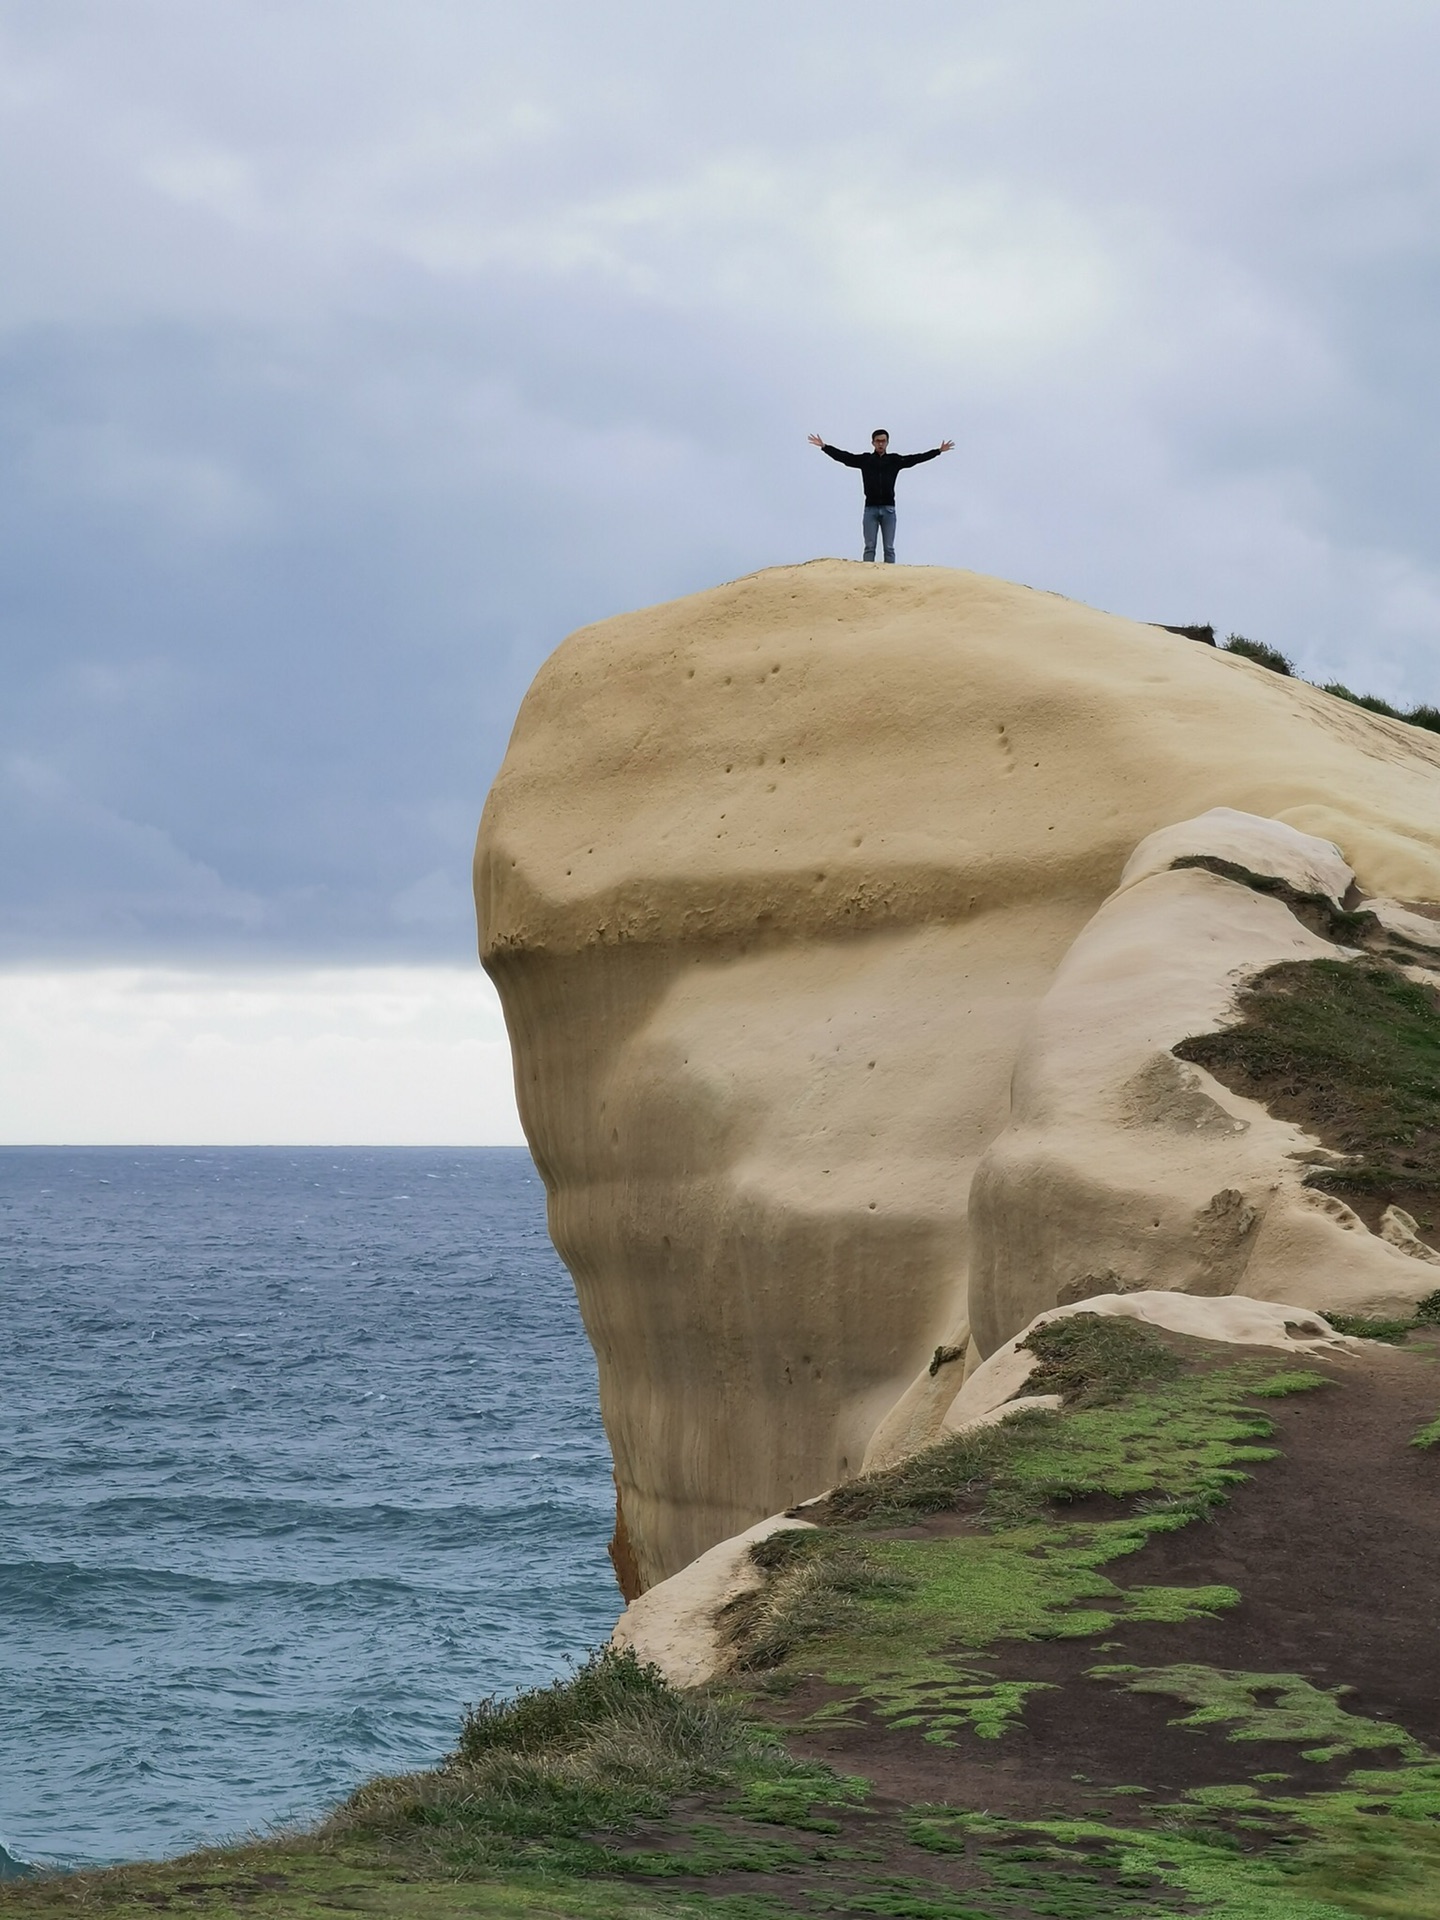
<point>353,352</point>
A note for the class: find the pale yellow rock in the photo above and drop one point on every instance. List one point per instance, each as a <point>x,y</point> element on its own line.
<point>914,1421</point>
<point>771,882</point>
<point>1416,928</point>
<point>677,1626</point>
<point>1402,1230</point>
<point>1261,846</point>
<point>1120,1167</point>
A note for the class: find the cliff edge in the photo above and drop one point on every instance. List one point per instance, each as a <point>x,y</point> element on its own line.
<point>813,897</point>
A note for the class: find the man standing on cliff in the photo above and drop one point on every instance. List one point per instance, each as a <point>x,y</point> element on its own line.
<point>878,469</point>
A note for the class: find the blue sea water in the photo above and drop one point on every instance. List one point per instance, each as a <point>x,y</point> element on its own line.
<point>299,1452</point>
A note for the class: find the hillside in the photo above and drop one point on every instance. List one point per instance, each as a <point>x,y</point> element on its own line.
<point>1168,1651</point>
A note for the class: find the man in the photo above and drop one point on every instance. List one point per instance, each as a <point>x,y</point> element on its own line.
<point>878,469</point>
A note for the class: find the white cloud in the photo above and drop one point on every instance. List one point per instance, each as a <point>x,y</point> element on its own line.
<point>402,1056</point>
<point>349,354</point>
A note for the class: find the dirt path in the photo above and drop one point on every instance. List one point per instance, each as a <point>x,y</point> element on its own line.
<point>1335,1550</point>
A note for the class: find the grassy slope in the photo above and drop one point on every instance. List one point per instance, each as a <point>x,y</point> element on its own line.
<point>923,1619</point>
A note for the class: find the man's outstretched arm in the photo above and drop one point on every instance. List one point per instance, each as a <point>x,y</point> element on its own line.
<point>835,453</point>
<point>916,459</point>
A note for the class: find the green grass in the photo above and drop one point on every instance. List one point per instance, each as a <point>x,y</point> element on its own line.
<point>543,1783</point>
<point>561,1717</point>
<point>1298,1711</point>
<point>1264,655</point>
<point>1350,1049</point>
<point>1393,1332</point>
<point>1297,1380</point>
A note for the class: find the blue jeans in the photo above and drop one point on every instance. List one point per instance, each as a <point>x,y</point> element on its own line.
<point>880,520</point>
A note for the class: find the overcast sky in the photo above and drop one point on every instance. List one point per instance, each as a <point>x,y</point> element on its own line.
<point>352,352</point>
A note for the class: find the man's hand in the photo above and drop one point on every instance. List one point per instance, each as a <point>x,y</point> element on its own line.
<point>946,445</point>
<point>816,441</point>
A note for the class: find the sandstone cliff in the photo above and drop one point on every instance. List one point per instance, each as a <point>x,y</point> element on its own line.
<point>776,884</point>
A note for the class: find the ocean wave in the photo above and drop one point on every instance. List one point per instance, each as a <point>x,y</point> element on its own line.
<point>292,1472</point>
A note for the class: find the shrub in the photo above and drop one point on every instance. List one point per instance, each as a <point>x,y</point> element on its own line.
<point>1260,653</point>
<point>557,1718</point>
<point>815,1594</point>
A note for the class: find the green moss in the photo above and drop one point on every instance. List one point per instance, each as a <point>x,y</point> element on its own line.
<point>957,1472</point>
<point>1298,1380</point>
<point>905,1645</point>
<point>793,1798</point>
<point>1428,1435</point>
<point>1211,1857</point>
<point>1316,910</point>
<point>1297,1711</point>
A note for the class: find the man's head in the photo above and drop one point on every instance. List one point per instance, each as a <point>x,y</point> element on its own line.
<point>880,440</point>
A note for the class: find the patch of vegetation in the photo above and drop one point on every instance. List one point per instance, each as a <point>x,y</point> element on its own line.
<point>1428,1436</point>
<point>1262,654</point>
<point>1095,1359</point>
<point>1364,1326</point>
<point>1228,1851</point>
<point>1091,1359</point>
<point>1393,1332</point>
<point>561,1717</point>
<point>949,1477</point>
<point>538,1782</point>
<point>1351,1050</point>
<point>305,1879</point>
<point>1297,1380</point>
<point>1267,1706</point>
<point>609,1796</point>
<point>792,1797</point>
<point>1421,716</point>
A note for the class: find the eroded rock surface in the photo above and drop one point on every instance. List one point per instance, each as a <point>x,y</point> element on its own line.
<point>775,884</point>
<point>1121,1168</point>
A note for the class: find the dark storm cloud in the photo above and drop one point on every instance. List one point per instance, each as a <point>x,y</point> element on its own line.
<point>350,355</point>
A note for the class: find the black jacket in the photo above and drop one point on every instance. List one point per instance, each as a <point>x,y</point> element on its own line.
<point>878,471</point>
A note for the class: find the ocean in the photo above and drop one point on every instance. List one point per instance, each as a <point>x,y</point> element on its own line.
<point>300,1452</point>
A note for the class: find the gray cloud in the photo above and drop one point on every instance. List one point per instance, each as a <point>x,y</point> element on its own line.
<point>350,355</point>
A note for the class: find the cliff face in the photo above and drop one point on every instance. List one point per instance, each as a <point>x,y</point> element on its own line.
<point>773,883</point>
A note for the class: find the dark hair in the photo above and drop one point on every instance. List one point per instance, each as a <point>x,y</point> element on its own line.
<point>880,433</point>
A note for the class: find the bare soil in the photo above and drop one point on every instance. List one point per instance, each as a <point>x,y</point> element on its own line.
<point>1335,1549</point>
